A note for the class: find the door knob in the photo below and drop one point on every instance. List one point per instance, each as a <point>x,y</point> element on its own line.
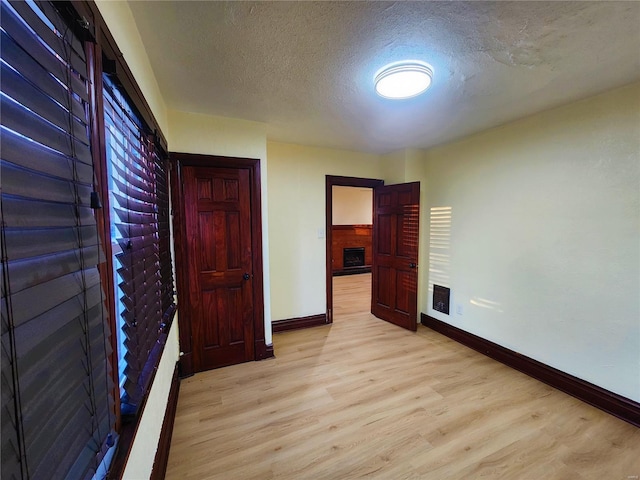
<point>246,276</point>
<point>412,265</point>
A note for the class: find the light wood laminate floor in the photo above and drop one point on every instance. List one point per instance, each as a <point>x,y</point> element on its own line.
<point>351,295</point>
<point>365,399</point>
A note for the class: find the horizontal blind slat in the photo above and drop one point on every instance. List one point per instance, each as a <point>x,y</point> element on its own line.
<point>15,56</point>
<point>68,375</point>
<point>145,339</point>
<point>27,183</point>
<point>137,305</point>
<point>83,467</point>
<point>32,46</point>
<point>10,449</point>
<point>135,200</point>
<point>24,243</point>
<point>21,120</point>
<point>60,24</point>
<point>29,154</point>
<point>122,128</point>
<point>128,230</point>
<point>145,285</point>
<point>133,296</point>
<point>49,294</point>
<point>53,368</point>
<point>26,213</point>
<point>132,262</point>
<point>126,155</point>
<point>46,460</point>
<point>49,365</point>
<point>15,86</point>
<point>133,186</point>
<point>127,216</point>
<point>119,110</point>
<point>30,272</point>
<point>61,44</point>
<point>32,333</point>
<point>63,454</point>
<point>8,434</point>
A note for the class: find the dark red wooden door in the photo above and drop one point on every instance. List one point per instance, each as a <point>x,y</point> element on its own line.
<point>396,210</point>
<point>218,227</point>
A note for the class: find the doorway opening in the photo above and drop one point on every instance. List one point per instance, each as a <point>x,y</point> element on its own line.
<point>352,248</point>
<point>348,236</point>
<point>395,222</point>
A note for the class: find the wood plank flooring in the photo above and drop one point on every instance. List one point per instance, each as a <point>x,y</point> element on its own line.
<point>351,295</point>
<point>365,399</point>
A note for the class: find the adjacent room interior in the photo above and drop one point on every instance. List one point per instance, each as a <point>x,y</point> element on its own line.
<point>352,245</point>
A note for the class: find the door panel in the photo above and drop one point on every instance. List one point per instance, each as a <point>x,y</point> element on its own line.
<point>383,286</point>
<point>403,297</point>
<point>384,233</point>
<point>205,231</point>
<point>218,226</point>
<point>395,254</point>
<point>209,304</point>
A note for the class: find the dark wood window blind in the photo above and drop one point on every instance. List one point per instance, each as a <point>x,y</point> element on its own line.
<point>57,407</point>
<point>139,203</point>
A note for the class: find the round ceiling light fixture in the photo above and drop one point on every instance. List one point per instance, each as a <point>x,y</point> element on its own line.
<point>403,80</point>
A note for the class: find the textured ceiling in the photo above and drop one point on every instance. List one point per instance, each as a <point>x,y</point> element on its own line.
<point>306,68</point>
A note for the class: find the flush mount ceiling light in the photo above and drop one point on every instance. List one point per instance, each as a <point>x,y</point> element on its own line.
<point>403,80</point>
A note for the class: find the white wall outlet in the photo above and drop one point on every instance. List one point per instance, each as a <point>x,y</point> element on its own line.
<point>459,308</point>
<point>321,233</point>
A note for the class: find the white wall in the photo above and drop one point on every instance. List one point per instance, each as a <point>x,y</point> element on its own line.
<point>122,26</point>
<point>394,167</point>
<point>210,135</point>
<point>544,248</point>
<point>352,205</point>
<point>144,448</point>
<point>120,21</point>
<point>296,212</point>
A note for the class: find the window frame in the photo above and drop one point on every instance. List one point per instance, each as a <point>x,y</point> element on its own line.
<point>104,56</point>
<point>131,148</point>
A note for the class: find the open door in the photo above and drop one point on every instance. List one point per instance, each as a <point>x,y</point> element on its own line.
<point>396,211</point>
